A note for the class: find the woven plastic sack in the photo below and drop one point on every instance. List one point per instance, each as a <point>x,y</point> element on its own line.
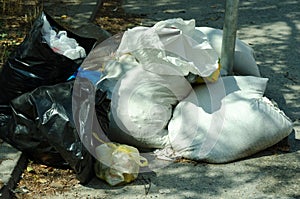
<point>118,163</point>
<point>244,61</point>
<point>171,43</point>
<point>218,128</point>
<point>142,105</point>
<point>144,90</point>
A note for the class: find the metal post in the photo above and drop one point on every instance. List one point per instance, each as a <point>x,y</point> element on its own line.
<point>229,35</point>
<point>96,9</point>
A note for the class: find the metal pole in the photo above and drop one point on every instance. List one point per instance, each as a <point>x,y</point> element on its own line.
<point>229,35</point>
<point>96,9</point>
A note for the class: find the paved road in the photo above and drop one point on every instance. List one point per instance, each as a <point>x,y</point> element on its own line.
<point>272,28</point>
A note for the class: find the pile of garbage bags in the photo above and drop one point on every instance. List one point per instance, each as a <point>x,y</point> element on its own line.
<point>163,96</point>
<point>149,88</point>
<point>36,100</point>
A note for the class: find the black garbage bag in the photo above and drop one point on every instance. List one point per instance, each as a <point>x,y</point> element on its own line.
<point>5,116</point>
<point>34,63</point>
<point>42,126</point>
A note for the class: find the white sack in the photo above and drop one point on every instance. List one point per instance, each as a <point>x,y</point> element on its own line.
<point>244,61</point>
<point>141,107</point>
<point>221,126</point>
<point>170,43</point>
<point>114,70</point>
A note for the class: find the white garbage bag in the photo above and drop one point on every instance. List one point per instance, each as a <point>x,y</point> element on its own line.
<point>144,92</point>
<point>114,70</point>
<point>141,107</point>
<point>173,43</point>
<point>226,121</point>
<point>244,61</point>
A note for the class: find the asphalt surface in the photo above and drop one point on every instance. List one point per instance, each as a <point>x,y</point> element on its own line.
<point>272,28</point>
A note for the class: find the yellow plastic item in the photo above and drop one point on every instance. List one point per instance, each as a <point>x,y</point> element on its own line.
<point>212,78</point>
<point>118,163</point>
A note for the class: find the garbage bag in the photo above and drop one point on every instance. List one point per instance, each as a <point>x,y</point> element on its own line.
<point>5,116</point>
<point>34,63</point>
<point>244,60</point>
<point>171,43</point>
<point>141,107</point>
<point>118,163</point>
<point>146,77</point>
<point>42,126</point>
<point>218,127</point>
<point>141,101</point>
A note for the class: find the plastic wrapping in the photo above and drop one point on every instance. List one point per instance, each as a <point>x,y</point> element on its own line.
<point>34,63</point>
<point>118,163</point>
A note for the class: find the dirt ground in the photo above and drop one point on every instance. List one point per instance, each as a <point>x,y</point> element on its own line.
<point>16,19</point>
